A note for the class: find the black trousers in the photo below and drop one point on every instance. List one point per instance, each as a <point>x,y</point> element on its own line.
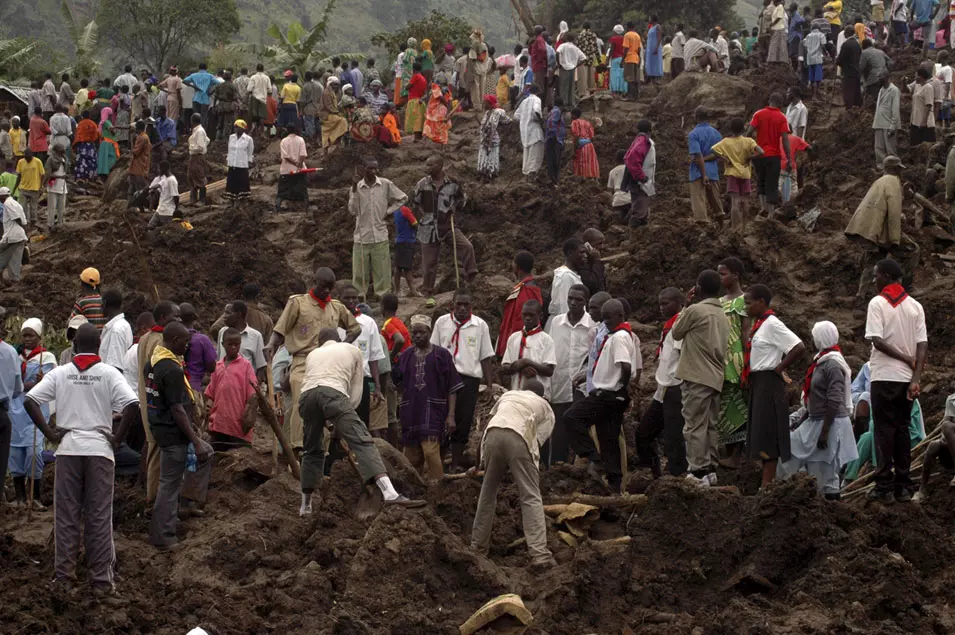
<point>364,407</point>
<point>891,414</point>
<point>604,412</point>
<point>6,433</point>
<point>663,418</point>
<point>552,153</point>
<point>557,447</point>
<point>464,409</point>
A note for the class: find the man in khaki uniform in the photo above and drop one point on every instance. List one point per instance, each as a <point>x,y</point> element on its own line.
<point>302,319</point>
<point>164,313</point>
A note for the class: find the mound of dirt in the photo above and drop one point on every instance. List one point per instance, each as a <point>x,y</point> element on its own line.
<point>722,95</point>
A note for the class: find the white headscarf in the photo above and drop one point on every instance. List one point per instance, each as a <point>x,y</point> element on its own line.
<point>826,335</point>
<point>563,28</point>
<point>34,324</point>
<point>618,29</point>
<point>332,80</point>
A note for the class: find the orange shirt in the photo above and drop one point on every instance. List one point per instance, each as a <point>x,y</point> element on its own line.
<point>631,42</point>
<point>389,122</point>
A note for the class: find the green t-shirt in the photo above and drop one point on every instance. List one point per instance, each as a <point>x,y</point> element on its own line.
<point>8,180</point>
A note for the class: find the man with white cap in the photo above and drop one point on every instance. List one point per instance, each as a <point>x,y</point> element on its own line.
<point>90,303</point>
<point>877,226</point>
<point>14,236</point>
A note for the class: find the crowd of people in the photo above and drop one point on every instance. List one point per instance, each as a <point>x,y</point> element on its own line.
<point>158,392</point>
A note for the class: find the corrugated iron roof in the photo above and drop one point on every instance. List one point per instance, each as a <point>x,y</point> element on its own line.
<point>20,92</point>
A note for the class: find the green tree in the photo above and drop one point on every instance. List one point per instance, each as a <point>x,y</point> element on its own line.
<point>156,33</point>
<point>437,27</point>
<point>84,40</point>
<point>15,56</point>
<point>702,15</point>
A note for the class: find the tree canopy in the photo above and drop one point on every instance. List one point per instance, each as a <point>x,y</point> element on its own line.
<point>437,27</point>
<point>604,14</point>
<point>157,32</point>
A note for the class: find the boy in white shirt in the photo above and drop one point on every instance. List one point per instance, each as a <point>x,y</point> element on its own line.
<point>168,197</point>
<point>621,199</point>
<point>566,276</point>
<point>369,343</point>
<point>530,351</point>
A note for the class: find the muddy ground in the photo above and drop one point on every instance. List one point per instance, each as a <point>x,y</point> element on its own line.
<point>700,563</point>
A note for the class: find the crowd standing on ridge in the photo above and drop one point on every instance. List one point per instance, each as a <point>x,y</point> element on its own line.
<point>158,392</point>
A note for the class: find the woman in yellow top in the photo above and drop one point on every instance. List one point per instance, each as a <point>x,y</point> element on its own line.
<point>291,93</point>
<point>833,14</point>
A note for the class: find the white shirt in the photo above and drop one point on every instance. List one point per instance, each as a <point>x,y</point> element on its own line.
<point>168,191</point>
<point>198,141</point>
<point>338,366</point>
<point>666,366</point>
<point>676,46</point>
<point>259,86</point>
<point>564,279</point>
<point>116,339</point>
<point>614,181</point>
<point>12,230</point>
<point>240,151</point>
<point>131,367</point>
<point>569,56</point>
<point>293,152</point>
<point>771,344</point>
<point>528,115</point>
<point>526,414</point>
<point>903,327</point>
<point>617,349</point>
<point>126,79</point>
<point>474,343</point>
<point>539,348</point>
<point>85,406</point>
<point>251,347</point>
<point>571,344</point>
<point>797,115</point>
<point>368,342</point>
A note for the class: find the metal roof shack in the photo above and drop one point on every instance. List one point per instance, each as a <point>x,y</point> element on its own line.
<point>14,99</point>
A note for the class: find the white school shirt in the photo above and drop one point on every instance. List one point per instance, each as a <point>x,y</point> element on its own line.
<point>131,367</point>
<point>666,366</point>
<point>614,182</point>
<point>116,339</point>
<point>572,344</point>
<point>251,346</point>
<point>368,342</point>
<point>474,343</point>
<point>902,327</point>
<point>168,191</point>
<point>564,279</point>
<point>85,405</point>
<point>797,115</point>
<point>617,349</point>
<point>771,344</point>
<point>539,348</point>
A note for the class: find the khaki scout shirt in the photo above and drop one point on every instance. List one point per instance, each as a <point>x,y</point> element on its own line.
<point>302,319</point>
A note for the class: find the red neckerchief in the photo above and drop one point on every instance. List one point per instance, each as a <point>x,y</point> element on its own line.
<point>84,361</point>
<point>748,350</point>
<point>524,335</point>
<point>356,312</point>
<point>136,340</point>
<point>667,327</point>
<point>321,301</point>
<point>23,364</point>
<point>894,294</point>
<point>516,291</point>
<point>812,369</point>
<point>156,328</point>
<point>456,336</point>
<point>623,326</point>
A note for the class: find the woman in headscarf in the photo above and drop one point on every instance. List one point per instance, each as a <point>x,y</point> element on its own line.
<point>429,385</point>
<point>239,157</point>
<point>493,73</point>
<point>376,97</point>
<point>821,439</point>
<point>489,150</point>
<point>172,86</point>
<point>388,134</point>
<point>733,403</point>
<point>444,64</point>
<point>108,148</point>
<point>334,126</point>
<point>398,69</point>
<point>85,143</point>
<point>26,443</point>
<point>779,25</point>
<point>562,30</point>
<point>772,349</point>
<point>415,108</point>
<point>426,59</point>
<point>363,122</point>
<point>618,85</point>
<point>407,66</point>
<point>437,121</point>
<point>122,105</point>
<point>585,156</point>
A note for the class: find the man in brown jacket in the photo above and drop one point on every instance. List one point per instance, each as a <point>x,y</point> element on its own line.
<point>877,226</point>
<point>704,331</point>
<point>139,165</point>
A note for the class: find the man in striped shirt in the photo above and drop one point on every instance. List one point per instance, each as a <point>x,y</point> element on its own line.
<point>90,303</point>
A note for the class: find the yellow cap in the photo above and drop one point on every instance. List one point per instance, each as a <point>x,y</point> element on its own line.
<point>241,123</point>
<point>90,276</point>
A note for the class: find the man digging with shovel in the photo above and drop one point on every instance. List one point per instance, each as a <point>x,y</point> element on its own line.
<point>331,390</point>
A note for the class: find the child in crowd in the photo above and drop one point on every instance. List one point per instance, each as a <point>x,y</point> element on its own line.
<point>738,152</point>
<point>787,176</point>
<point>232,391</point>
<point>397,340</point>
<point>667,56</point>
<point>405,241</point>
<point>943,77</point>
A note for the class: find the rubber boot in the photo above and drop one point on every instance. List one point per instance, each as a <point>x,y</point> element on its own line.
<point>20,489</point>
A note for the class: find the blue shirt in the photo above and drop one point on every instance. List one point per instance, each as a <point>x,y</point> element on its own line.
<point>166,129</point>
<point>551,57</point>
<point>202,81</point>
<point>923,10</point>
<point>11,382</point>
<point>702,139</point>
<point>347,78</point>
<point>554,126</point>
<point>404,231</point>
<point>592,357</point>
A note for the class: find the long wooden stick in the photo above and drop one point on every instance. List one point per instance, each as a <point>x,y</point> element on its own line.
<point>269,413</point>
<point>916,452</point>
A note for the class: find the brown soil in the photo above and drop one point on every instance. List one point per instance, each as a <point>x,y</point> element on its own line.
<point>706,563</point>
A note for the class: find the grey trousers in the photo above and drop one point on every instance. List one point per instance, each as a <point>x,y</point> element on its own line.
<point>701,411</point>
<point>11,257</point>
<point>322,404</point>
<point>505,450</point>
<point>83,487</point>
<point>31,204</point>
<point>172,473</point>
<point>55,208</point>
<point>885,144</point>
<point>6,433</point>
<point>566,88</point>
